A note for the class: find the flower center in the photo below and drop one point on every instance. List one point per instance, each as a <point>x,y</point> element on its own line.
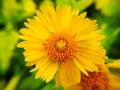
<point>95,81</point>
<point>60,46</point>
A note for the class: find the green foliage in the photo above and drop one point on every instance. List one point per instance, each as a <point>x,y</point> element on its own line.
<point>17,9</point>
<point>77,4</point>
<point>111,35</point>
<point>115,71</point>
<point>8,42</point>
<point>108,7</point>
<point>30,83</point>
<point>12,83</point>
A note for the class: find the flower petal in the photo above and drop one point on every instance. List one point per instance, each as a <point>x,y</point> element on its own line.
<point>86,64</point>
<point>34,55</point>
<point>114,64</point>
<point>48,71</point>
<point>33,34</point>
<point>63,17</point>
<point>75,22</point>
<point>49,15</point>
<point>40,63</point>
<point>32,63</point>
<point>115,82</point>
<point>92,55</point>
<point>35,31</point>
<point>45,20</point>
<point>93,36</point>
<point>74,87</point>
<point>29,45</point>
<point>69,74</point>
<point>80,67</point>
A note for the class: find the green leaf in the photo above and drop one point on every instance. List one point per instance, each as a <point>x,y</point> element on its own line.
<point>111,35</point>
<point>109,60</point>
<point>11,85</point>
<point>108,7</point>
<point>115,71</point>
<point>81,4</point>
<point>63,2</point>
<point>15,11</point>
<point>49,86</point>
<point>8,40</point>
<point>77,4</point>
<point>2,84</point>
<point>30,83</point>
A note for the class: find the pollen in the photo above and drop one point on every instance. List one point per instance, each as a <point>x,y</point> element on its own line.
<point>60,46</point>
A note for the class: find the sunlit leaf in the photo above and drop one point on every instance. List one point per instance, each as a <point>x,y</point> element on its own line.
<point>16,11</point>
<point>108,7</point>
<point>28,6</point>
<point>63,2</point>
<point>8,40</point>
<point>77,4</point>
<point>111,35</point>
<point>11,85</point>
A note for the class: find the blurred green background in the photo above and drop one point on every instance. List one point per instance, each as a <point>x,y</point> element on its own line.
<point>14,75</point>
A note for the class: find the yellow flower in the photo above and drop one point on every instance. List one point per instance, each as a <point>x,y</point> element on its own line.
<point>102,80</point>
<point>115,64</point>
<point>62,41</point>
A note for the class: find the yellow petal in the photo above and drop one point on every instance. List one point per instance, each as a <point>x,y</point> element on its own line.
<point>96,36</point>
<point>86,26</point>
<point>45,21</point>
<point>92,55</point>
<point>76,12</point>
<point>32,63</point>
<point>26,37</point>
<point>75,22</point>
<point>40,32</point>
<point>114,64</point>
<point>80,67</point>
<point>30,33</point>
<point>41,63</point>
<point>66,15</point>
<point>32,56</point>
<point>20,45</point>
<point>74,87</point>
<point>115,82</point>
<point>63,17</point>
<point>69,74</point>
<point>86,64</point>
<point>28,45</point>
<point>48,71</point>
<point>49,15</point>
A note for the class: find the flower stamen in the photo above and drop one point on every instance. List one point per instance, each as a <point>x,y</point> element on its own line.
<point>60,46</point>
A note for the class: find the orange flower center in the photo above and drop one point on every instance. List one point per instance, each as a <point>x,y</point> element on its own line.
<point>95,81</point>
<point>60,46</point>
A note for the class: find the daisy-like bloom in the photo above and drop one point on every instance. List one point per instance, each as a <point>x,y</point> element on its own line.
<point>102,80</point>
<point>62,41</point>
